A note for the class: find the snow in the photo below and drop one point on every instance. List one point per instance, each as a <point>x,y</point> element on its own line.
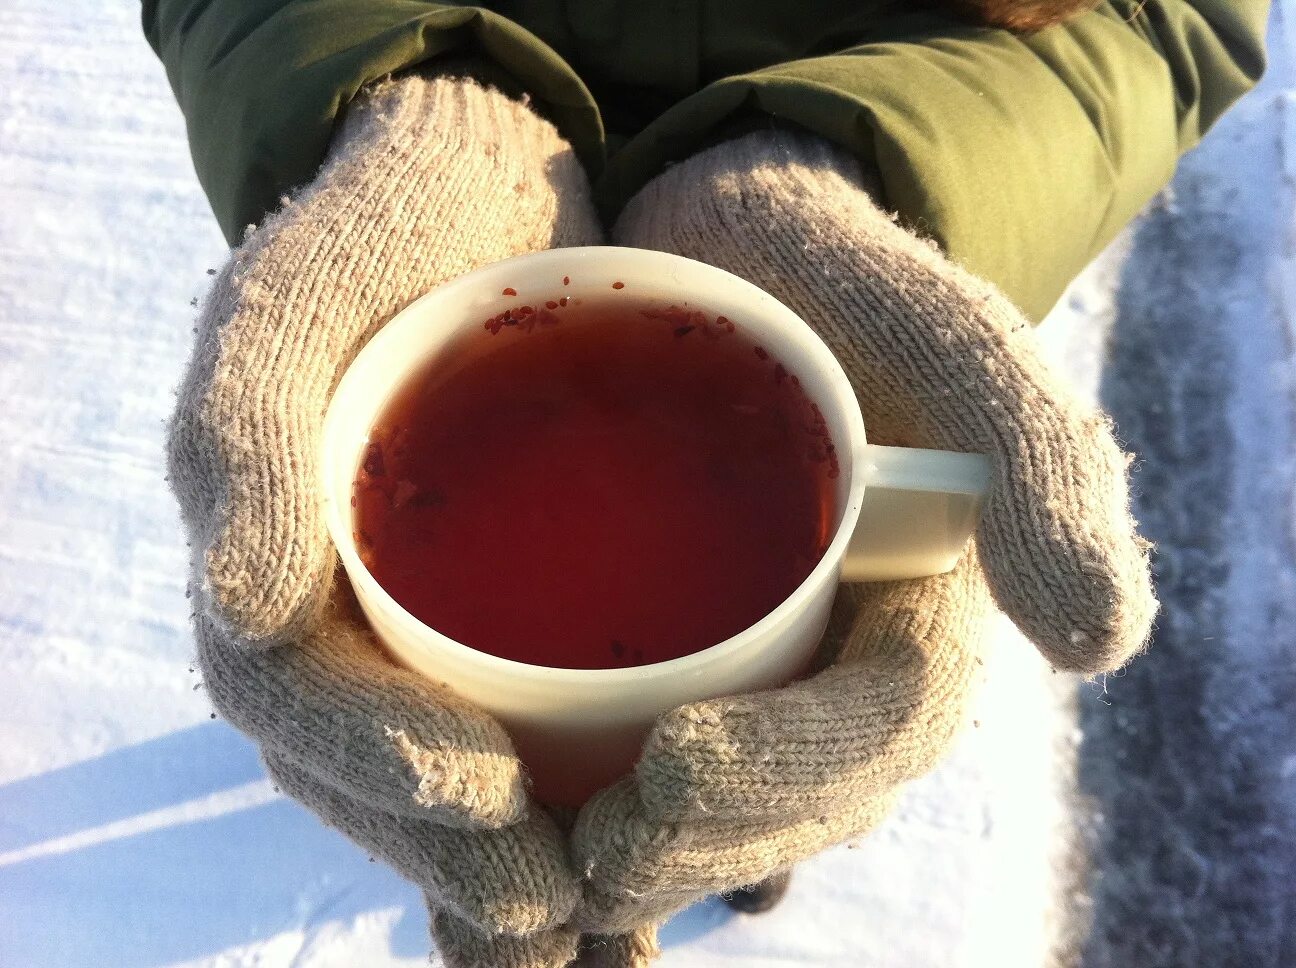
<point>1195,844</point>
<point>137,831</point>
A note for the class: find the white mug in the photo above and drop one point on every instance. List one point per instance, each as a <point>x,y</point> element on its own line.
<point>901,513</point>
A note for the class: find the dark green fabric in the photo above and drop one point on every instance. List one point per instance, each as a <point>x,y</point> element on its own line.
<point>1021,155</point>
<point>261,82</point>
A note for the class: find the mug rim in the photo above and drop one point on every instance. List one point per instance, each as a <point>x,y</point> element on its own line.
<point>774,315</point>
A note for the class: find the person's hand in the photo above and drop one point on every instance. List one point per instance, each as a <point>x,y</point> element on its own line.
<point>426,179</point>
<point>731,790</point>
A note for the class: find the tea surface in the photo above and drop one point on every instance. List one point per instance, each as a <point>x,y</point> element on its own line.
<point>596,485</point>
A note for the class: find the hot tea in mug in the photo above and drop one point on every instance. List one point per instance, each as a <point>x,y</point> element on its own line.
<point>583,487</point>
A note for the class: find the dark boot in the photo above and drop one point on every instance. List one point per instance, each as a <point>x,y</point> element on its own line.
<point>761,897</point>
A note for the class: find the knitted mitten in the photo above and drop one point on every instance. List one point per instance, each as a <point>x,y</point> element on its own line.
<point>427,179</point>
<point>731,790</point>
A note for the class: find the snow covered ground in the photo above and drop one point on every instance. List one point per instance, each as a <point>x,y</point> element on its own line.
<point>1190,771</point>
<point>1145,821</point>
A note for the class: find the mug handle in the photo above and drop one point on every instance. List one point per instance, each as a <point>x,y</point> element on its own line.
<point>919,509</point>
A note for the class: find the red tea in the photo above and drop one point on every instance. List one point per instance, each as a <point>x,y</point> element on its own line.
<point>594,485</point>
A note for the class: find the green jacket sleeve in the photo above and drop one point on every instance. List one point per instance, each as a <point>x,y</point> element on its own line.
<point>1022,156</point>
<point>261,82</point>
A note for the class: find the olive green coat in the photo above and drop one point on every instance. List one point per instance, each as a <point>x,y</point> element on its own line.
<point>1021,155</point>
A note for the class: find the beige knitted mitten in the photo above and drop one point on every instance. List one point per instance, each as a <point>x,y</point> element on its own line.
<point>731,790</point>
<point>426,179</point>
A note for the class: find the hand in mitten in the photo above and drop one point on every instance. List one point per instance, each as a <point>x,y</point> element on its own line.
<point>427,179</point>
<point>731,790</point>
